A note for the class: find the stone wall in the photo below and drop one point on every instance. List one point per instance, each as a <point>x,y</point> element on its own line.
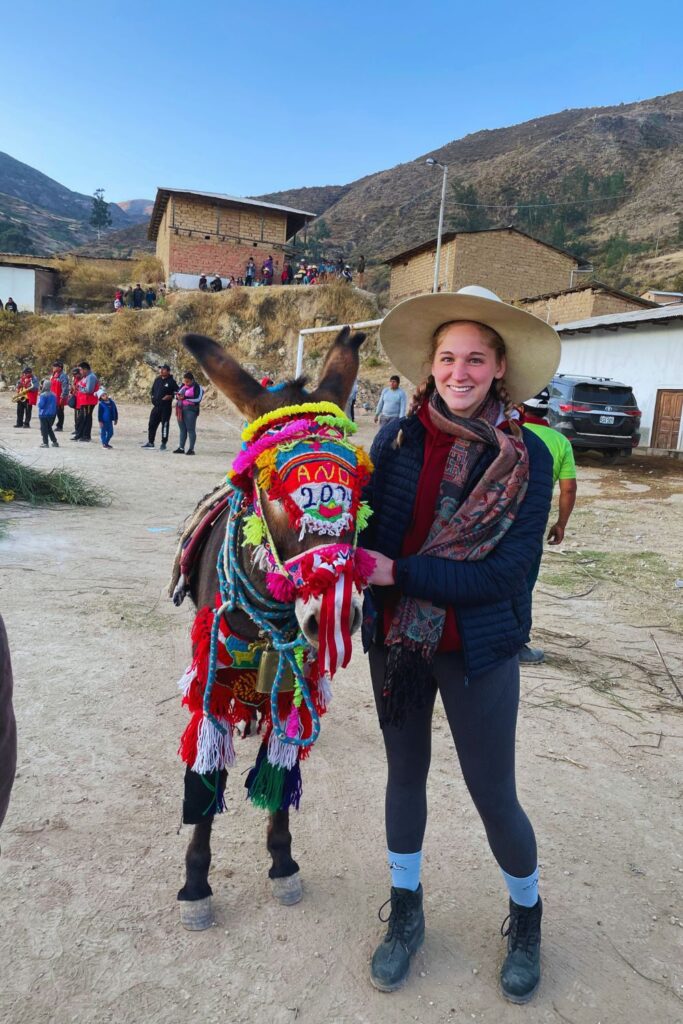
<point>578,305</point>
<point>416,275</point>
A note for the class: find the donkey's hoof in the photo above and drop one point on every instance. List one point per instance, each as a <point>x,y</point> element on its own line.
<point>288,891</point>
<point>195,915</point>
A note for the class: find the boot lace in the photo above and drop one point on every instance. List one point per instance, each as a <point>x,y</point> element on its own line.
<point>397,918</point>
<point>522,928</point>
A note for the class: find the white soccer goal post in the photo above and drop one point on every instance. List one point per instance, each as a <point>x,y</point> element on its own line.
<point>325,330</point>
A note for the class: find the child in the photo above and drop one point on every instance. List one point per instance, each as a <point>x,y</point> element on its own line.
<point>108,416</point>
<point>47,410</point>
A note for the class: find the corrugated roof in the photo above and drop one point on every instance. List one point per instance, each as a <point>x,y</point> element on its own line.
<point>163,195</point>
<point>613,321</point>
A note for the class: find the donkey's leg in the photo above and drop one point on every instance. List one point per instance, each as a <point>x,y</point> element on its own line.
<point>284,873</point>
<point>195,895</point>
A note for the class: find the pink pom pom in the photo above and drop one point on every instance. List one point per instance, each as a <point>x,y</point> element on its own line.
<point>280,587</point>
<point>293,723</point>
<point>364,563</point>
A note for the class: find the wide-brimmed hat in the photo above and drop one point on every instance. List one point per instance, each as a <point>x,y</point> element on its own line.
<point>532,347</point>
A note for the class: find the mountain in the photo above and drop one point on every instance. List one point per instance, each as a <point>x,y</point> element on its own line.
<point>47,215</point>
<point>613,171</point>
<point>139,210</point>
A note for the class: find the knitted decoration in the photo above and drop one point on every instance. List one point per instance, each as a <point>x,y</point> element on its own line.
<point>300,457</point>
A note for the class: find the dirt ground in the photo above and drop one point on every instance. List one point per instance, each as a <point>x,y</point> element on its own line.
<point>92,856</point>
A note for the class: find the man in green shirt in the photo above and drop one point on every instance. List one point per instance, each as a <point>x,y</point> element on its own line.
<point>564,472</point>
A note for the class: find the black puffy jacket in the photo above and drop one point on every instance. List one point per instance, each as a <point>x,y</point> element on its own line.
<point>490,597</point>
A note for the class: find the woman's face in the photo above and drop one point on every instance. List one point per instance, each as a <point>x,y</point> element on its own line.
<point>464,366</point>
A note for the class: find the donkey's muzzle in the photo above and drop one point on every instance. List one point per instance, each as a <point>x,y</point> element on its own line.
<point>308,616</point>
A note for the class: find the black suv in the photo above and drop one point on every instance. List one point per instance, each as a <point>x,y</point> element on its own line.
<point>595,413</point>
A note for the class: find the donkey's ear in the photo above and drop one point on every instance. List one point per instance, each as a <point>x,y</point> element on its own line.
<point>251,399</point>
<point>340,369</point>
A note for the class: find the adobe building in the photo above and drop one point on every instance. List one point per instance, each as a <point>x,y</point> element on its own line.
<point>506,260</point>
<point>205,233</point>
<point>588,299</point>
<point>32,285</point>
<point>663,298</point>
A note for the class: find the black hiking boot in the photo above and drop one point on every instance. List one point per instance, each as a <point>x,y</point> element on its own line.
<point>405,935</point>
<point>521,970</point>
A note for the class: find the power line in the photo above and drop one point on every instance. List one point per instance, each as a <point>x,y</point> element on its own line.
<point>538,206</point>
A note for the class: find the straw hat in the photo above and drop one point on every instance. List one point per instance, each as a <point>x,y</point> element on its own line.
<point>532,346</point>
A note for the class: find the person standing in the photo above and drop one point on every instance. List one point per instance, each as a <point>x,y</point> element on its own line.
<point>107,416</point>
<point>11,305</point>
<point>461,496</point>
<point>59,386</point>
<point>164,390</point>
<point>361,271</point>
<point>138,296</point>
<point>203,284</point>
<point>250,272</point>
<point>267,270</point>
<point>392,402</point>
<point>534,411</point>
<point>87,386</point>
<point>216,284</point>
<point>150,296</point>
<point>188,398</point>
<point>47,410</point>
<point>27,396</point>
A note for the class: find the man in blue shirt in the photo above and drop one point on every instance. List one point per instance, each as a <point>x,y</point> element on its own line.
<point>392,402</point>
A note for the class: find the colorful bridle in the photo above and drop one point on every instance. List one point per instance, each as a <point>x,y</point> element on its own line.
<point>301,457</point>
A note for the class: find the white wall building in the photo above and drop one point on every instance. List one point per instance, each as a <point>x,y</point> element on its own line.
<point>643,349</point>
<point>29,284</point>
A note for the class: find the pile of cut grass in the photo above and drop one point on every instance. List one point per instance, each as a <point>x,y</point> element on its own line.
<point>57,486</point>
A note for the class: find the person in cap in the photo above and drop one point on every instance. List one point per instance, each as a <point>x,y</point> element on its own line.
<point>461,495</point>
<point>59,386</point>
<point>26,396</point>
<point>164,390</point>
<point>534,412</point>
<point>107,416</point>
<point>47,410</point>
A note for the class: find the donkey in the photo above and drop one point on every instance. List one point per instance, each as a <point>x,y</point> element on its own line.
<point>252,400</point>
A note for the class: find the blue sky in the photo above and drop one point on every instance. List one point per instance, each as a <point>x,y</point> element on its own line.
<point>252,97</point>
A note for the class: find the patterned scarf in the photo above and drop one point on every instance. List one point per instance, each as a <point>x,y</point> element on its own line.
<point>464,530</point>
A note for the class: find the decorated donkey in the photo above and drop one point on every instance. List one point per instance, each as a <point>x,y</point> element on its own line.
<point>278,589</point>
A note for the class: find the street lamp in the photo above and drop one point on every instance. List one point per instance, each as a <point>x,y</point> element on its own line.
<point>435,163</point>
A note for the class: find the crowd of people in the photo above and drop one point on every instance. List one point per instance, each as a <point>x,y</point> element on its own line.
<point>303,272</point>
<point>82,391</point>
<point>137,297</point>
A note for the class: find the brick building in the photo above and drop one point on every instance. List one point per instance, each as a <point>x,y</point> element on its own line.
<point>506,260</point>
<point>588,299</point>
<point>204,233</point>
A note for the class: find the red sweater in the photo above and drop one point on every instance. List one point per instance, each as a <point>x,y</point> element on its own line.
<point>437,447</point>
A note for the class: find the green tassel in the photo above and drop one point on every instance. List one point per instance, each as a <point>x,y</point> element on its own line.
<point>363,516</point>
<point>348,426</point>
<point>267,788</point>
<point>253,530</point>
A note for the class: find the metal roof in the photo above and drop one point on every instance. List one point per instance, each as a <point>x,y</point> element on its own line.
<point>615,321</point>
<point>296,218</point>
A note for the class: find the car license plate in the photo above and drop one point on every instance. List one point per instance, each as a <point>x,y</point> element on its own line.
<point>607,419</point>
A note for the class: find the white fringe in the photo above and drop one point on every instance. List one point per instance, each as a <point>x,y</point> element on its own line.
<point>281,755</point>
<point>311,525</point>
<point>259,558</point>
<point>214,749</point>
<point>324,691</point>
<point>185,681</point>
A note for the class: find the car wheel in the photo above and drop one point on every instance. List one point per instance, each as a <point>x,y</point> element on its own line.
<point>610,457</point>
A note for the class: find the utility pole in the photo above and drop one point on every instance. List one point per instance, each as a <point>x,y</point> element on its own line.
<point>437,261</point>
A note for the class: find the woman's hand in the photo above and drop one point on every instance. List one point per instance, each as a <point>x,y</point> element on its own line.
<point>383,573</point>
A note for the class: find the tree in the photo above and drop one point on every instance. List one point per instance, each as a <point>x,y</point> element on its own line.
<point>315,243</point>
<point>470,215</point>
<point>100,216</point>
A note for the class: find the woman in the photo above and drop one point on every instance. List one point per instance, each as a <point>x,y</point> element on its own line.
<point>460,500</point>
<point>188,397</point>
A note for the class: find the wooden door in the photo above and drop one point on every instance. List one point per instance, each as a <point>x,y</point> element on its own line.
<point>667,423</point>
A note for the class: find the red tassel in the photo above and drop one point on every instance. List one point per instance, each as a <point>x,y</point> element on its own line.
<point>188,741</point>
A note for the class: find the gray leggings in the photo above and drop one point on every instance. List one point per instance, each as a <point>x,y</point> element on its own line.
<point>187,427</point>
<point>482,717</point>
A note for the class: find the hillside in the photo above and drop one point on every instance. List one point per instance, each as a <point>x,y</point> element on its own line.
<point>620,169</point>
<point>39,215</point>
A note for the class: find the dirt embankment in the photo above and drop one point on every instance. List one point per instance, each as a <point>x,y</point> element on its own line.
<point>260,325</point>
<point>92,860</point>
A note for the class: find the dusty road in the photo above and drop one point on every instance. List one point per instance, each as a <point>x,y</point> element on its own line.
<point>91,855</point>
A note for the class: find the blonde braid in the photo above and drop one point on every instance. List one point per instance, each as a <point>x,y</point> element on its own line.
<point>423,392</point>
<point>509,406</point>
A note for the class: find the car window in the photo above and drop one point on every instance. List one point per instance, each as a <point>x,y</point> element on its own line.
<point>603,394</point>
